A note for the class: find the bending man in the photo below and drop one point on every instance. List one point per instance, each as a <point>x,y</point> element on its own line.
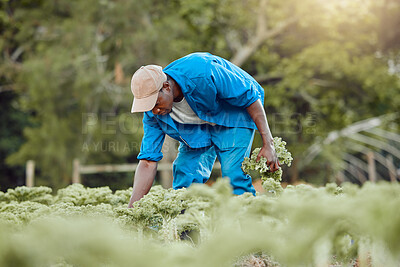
<point>209,105</point>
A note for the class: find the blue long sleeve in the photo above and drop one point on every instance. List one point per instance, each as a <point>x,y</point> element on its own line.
<point>153,139</point>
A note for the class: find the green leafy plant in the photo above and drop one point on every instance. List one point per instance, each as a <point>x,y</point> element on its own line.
<point>301,226</point>
<point>271,180</point>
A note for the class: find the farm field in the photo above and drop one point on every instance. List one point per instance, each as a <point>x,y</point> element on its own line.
<point>321,75</point>
<point>201,226</point>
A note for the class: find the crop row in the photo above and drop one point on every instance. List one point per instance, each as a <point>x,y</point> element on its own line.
<point>201,225</point>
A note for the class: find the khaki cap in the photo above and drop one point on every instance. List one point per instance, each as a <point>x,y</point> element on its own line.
<point>146,82</point>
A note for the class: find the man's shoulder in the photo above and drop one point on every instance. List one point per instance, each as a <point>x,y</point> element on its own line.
<point>193,67</point>
<point>196,56</point>
<point>193,62</point>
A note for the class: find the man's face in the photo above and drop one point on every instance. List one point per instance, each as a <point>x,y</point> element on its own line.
<point>164,101</point>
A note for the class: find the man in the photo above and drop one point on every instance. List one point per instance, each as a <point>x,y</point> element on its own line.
<point>209,105</point>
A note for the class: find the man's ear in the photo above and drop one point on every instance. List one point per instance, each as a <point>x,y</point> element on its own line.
<point>167,86</point>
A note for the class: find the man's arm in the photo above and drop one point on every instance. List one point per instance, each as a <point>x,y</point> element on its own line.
<point>257,113</point>
<point>150,154</point>
<point>245,95</point>
<point>144,177</point>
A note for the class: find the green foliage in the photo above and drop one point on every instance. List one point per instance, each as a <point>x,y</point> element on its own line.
<point>301,226</point>
<point>40,194</point>
<point>324,65</point>
<point>16,214</point>
<point>333,188</point>
<point>270,180</point>
<point>12,122</point>
<point>78,195</point>
<point>284,156</point>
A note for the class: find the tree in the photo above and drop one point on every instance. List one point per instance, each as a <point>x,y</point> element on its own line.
<point>324,65</point>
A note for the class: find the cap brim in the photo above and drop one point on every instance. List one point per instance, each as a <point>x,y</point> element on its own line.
<point>144,104</point>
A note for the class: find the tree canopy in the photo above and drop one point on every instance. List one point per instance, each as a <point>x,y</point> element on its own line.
<point>324,65</point>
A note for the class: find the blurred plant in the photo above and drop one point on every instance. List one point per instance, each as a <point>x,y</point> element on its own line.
<point>303,225</point>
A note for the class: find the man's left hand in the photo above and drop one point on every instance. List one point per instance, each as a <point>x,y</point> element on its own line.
<point>268,152</point>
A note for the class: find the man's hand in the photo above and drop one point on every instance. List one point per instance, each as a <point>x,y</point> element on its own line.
<point>268,152</point>
<point>144,177</point>
<point>257,113</point>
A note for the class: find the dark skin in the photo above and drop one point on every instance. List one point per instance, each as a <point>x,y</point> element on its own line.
<point>171,92</point>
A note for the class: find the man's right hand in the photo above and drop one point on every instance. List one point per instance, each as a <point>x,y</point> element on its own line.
<point>144,177</point>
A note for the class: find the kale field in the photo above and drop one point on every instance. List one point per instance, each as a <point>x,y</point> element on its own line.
<point>201,226</point>
<point>204,226</point>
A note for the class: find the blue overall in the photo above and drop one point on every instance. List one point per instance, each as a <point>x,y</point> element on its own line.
<point>218,92</point>
<point>230,145</point>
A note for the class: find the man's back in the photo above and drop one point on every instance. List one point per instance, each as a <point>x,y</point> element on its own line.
<point>199,64</point>
<point>218,91</point>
